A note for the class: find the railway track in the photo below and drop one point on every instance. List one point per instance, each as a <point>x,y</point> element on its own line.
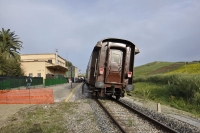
<point>130,120</point>
<point>130,117</point>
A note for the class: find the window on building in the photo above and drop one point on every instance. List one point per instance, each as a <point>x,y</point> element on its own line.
<point>115,58</point>
<point>39,74</point>
<point>50,61</point>
<point>30,74</point>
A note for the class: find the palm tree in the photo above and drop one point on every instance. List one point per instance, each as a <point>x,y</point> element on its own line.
<point>9,44</point>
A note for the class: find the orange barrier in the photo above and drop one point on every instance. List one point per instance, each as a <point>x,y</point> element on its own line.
<point>29,96</point>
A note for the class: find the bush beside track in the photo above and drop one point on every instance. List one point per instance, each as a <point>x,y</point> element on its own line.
<point>177,89</point>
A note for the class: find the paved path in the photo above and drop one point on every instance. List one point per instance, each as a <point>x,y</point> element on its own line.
<point>61,92</point>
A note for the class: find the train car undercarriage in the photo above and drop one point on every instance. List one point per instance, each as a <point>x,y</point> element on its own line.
<point>103,92</point>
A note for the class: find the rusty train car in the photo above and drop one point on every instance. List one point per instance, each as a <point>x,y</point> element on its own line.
<point>110,67</point>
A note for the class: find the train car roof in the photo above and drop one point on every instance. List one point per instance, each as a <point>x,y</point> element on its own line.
<point>119,41</point>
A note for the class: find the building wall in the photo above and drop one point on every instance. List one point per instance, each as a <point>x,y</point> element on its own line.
<point>74,72</point>
<point>32,57</point>
<point>55,72</point>
<point>34,68</point>
<point>43,57</point>
<point>61,61</point>
<point>37,63</point>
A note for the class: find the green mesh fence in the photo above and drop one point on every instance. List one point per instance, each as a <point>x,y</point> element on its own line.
<point>14,83</point>
<point>49,82</point>
<point>4,85</point>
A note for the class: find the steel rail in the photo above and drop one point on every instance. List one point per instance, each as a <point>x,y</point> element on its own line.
<point>167,128</point>
<point>109,114</point>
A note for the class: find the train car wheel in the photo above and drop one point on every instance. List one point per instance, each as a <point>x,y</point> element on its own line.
<point>117,98</point>
<point>97,94</point>
<point>83,86</point>
<point>110,95</point>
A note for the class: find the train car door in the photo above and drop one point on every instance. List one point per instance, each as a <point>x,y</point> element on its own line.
<point>114,66</point>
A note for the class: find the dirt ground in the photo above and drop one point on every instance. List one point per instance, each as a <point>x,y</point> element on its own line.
<point>8,110</point>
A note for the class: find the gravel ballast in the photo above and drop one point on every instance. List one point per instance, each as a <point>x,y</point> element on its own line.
<point>169,121</point>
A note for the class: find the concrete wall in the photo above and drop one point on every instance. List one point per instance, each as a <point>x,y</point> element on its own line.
<point>43,57</point>
<point>37,64</point>
<point>34,68</point>
<point>74,72</point>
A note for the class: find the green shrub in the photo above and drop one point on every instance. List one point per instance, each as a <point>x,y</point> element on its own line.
<point>183,86</point>
<point>162,93</point>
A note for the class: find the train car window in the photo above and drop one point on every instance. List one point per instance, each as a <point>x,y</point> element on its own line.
<point>115,58</point>
<point>89,63</point>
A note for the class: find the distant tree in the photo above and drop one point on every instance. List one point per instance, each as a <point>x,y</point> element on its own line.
<point>9,44</point>
<point>2,63</point>
<point>68,64</point>
<point>9,55</point>
<point>10,67</point>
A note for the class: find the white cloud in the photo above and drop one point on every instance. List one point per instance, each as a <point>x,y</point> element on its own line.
<point>162,30</point>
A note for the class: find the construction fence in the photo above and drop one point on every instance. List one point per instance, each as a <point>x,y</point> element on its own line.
<point>28,96</point>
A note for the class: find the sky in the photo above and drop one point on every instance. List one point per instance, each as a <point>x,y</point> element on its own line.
<point>163,30</point>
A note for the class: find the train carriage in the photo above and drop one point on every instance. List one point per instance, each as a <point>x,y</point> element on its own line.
<point>110,67</point>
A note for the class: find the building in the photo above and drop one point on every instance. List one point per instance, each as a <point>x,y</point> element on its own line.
<point>74,73</point>
<point>43,65</point>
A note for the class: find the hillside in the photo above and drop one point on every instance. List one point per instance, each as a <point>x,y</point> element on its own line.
<point>167,68</point>
<point>191,68</point>
<point>150,67</point>
<point>171,83</point>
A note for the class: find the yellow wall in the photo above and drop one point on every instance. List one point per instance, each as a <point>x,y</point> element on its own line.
<point>37,63</point>
<point>43,57</point>
<point>34,68</point>
<point>31,57</point>
<point>76,72</point>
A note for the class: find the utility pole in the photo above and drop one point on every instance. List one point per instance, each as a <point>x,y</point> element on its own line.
<point>186,67</point>
<point>67,66</point>
<point>56,56</point>
<point>71,76</point>
<point>67,60</point>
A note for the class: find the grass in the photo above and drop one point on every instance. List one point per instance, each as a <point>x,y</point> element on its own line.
<point>160,93</point>
<point>130,122</point>
<point>166,69</point>
<point>40,119</point>
<point>191,68</point>
<point>50,118</point>
<point>147,68</point>
<point>176,84</point>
